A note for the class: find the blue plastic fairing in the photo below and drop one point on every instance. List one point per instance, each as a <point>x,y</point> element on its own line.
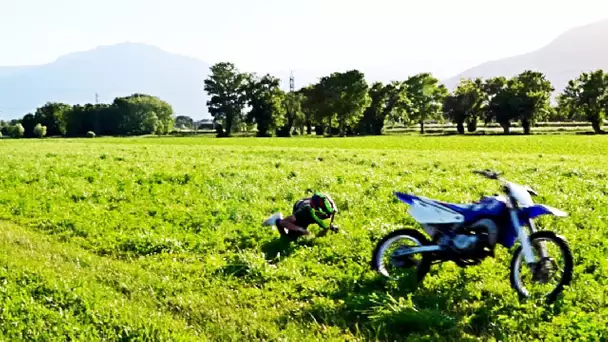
<point>509,236</point>
<point>409,199</point>
<point>488,206</point>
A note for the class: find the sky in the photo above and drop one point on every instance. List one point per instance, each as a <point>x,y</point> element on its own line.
<point>441,36</point>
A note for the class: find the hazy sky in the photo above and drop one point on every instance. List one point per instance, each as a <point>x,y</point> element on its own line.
<point>442,36</point>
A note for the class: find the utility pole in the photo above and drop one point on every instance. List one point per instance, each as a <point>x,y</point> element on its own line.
<point>292,82</point>
<point>96,98</point>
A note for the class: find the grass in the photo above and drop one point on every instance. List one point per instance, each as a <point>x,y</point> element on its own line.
<point>160,239</point>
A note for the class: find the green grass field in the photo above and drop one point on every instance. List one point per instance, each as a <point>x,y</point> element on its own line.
<point>160,239</point>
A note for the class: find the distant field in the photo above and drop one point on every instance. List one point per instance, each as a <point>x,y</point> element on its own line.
<point>160,238</point>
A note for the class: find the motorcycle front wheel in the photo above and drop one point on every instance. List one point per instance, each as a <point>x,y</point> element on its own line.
<point>545,266</point>
<point>391,264</point>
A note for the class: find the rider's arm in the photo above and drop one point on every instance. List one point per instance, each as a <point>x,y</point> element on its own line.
<point>319,220</point>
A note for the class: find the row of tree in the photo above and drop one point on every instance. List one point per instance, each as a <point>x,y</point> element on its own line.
<point>344,103</point>
<point>136,114</point>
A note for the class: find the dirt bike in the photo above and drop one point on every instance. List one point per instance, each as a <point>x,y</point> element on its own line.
<point>468,233</point>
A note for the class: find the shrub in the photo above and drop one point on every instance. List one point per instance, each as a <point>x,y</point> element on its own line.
<point>39,130</point>
<point>17,131</point>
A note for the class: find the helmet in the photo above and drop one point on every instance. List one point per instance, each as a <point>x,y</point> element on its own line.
<point>323,203</point>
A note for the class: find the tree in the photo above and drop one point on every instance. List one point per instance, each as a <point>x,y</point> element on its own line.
<point>314,107</point>
<point>558,114</point>
<point>346,95</point>
<point>90,117</point>
<point>28,122</point>
<point>184,121</point>
<point>53,116</point>
<point>397,108</point>
<point>143,114</point>
<point>226,88</point>
<point>156,126</point>
<point>503,107</point>
<point>131,117</point>
<point>478,100</point>
<point>294,116</point>
<point>4,128</point>
<point>465,104</point>
<point>534,91</point>
<point>74,121</point>
<point>39,130</point>
<point>455,111</point>
<point>151,124</point>
<point>108,118</point>
<point>373,113</point>
<point>426,96</point>
<point>387,101</point>
<point>491,87</point>
<point>525,97</point>
<point>586,98</point>
<point>266,101</point>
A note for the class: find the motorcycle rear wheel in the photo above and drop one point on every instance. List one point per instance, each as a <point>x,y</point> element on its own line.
<point>422,266</point>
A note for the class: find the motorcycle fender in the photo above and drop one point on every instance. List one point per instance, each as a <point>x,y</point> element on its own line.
<point>431,213</point>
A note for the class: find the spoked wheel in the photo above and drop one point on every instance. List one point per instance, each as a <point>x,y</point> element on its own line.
<point>551,271</point>
<point>388,258</point>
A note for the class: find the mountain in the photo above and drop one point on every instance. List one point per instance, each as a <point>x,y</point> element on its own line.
<point>575,51</point>
<point>110,71</point>
<point>127,68</point>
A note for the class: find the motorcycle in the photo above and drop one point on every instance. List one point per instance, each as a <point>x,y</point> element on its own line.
<point>468,233</point>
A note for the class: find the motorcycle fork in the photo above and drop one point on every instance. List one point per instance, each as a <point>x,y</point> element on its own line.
<point>523,237</point>
<point>543,250</point>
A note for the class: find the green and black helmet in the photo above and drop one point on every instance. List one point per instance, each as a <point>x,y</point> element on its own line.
<point>324,204</point>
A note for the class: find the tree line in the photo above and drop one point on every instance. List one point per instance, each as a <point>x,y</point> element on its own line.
<point>343,103</point>
<point>136,114</point>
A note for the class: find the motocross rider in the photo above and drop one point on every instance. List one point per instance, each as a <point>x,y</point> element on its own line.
<point>307,211</point>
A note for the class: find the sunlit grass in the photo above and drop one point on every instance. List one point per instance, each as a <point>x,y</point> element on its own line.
<point>161,237</point>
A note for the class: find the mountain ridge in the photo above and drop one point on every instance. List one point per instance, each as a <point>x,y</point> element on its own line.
<point>110,71</point>
<point>125,68</point>
<point>565,57</point>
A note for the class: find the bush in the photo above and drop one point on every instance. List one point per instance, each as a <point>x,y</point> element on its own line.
<point>90,134</point>
<point>16,131</point>
<point>39,130</point>
<point>160,129</point>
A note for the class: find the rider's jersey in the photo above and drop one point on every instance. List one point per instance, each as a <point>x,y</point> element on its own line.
<point>305,215</point>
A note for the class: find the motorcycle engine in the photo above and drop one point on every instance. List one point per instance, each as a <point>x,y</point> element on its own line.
<point>477,237</point>
<point>464,241</point>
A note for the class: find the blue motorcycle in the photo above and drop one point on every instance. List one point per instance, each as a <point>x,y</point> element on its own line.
<point>468,233</point>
